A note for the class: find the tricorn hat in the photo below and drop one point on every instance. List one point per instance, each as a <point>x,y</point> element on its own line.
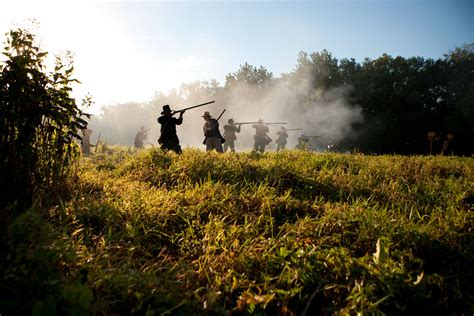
<point>166,109</point>
<point>206,114</point>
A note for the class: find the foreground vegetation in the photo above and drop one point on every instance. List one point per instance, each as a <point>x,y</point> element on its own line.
<point>279,233</point>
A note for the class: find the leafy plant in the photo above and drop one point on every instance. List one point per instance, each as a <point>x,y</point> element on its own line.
<point>38,120</point>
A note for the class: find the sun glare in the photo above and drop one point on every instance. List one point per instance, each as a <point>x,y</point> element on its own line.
<point>116,59</point>
<point>98,41</point>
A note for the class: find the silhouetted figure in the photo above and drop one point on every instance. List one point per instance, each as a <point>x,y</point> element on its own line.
<point>169,139</point>
<point>140,137</point>
<point>213,138</point>
<point>86,142</point>
<point>282,139</point>
<point>303,142</point>
<point>261,138</point>
<point>229,134</point>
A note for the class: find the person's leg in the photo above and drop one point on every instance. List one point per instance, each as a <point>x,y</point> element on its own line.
<point>217,144</point>
<point>209,143</point>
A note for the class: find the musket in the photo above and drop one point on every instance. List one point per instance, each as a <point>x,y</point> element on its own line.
<point>271,123</point>
<point>97,144</point>
<point>221,114</point>
<point>191,107</point>
<point>243,123</point>
<point>222,138</point>
<point>293,129</point>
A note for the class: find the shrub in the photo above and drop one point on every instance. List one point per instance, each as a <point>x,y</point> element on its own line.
<point>38,120</point>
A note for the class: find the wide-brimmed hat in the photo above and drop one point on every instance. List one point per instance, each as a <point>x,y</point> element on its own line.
<point>166,109</point>
<point>206,114</point>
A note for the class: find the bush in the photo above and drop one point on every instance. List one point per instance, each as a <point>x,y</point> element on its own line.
<point>38,120</point>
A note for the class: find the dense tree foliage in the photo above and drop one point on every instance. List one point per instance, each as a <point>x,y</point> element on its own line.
<point>38,119</point>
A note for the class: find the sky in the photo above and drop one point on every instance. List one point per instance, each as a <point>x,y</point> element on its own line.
<point>125,51</point>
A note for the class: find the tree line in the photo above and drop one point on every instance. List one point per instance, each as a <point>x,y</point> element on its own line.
<point>409,106</point>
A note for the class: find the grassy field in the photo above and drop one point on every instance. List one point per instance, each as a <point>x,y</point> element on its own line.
<point>277,233</point>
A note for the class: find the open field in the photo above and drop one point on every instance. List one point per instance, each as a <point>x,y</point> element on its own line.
<point>280,233</point>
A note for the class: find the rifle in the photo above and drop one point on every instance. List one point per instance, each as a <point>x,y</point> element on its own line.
<point>313,136</point>
<point>222,138</point>
<point>97,144</point>
<point>221,114</point>
<point>243,123</point>
<point>293,129</point>
<point>191,107</point>
<point>271,123</point>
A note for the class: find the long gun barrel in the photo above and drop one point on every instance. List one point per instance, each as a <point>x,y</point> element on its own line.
<point>221,114</point>
<point>97,144</point>
<point>192,107</point>
<point>293,129</point>
<point>243,123</point>
<point>313,136</point>
<point>272,123</point>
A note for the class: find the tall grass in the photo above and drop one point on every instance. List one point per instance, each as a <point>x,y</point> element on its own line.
<point>278,233</point>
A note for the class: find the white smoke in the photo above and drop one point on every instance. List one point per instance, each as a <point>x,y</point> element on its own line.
<point>325,114</point>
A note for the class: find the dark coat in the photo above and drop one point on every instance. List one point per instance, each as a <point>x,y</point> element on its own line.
<point>168,128</point>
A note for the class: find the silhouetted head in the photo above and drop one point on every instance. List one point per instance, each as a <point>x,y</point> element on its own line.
<point>231,121</point>
<point>166,109</point>
<point>206,115</point>
<point>283,128</point>
<point>260,120</point>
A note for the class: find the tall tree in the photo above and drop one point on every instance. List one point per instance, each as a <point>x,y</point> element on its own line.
<point>256,77</point>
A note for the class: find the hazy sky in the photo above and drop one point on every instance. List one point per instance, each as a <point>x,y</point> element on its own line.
<point>127,50</point>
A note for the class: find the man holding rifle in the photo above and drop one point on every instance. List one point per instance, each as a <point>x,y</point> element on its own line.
<point>169,139</point>
<point>140,137</point>
<point>283,137</point>
<point>261,138</point>
<point>213,138</point>
<point>229,134</point>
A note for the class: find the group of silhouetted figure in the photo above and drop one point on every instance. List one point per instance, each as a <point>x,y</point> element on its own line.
<point>213,139</point>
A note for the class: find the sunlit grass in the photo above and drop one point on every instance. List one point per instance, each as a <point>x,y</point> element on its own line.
<point>289,232</point>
